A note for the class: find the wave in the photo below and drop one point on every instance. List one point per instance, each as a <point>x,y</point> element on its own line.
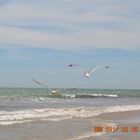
<point>25,93</point>
<point>51,114</point>
<point>95,95</point>
<point>83,95</point>
<point>48,97</point>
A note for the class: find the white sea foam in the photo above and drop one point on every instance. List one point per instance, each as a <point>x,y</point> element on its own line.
<point>51,114</point>
<point>86,95</point>
<point>104,95</point>
<point>70,95</point>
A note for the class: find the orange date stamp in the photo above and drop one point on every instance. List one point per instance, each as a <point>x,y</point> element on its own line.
<point>110,129</point>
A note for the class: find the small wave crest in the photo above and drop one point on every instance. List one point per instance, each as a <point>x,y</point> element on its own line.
<point>84,95</point>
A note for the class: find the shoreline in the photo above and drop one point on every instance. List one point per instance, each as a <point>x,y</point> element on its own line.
<point>76,128</point>
<point>122,114</point>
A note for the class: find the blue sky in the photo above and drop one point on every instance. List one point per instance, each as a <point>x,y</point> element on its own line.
<point>39,39</point>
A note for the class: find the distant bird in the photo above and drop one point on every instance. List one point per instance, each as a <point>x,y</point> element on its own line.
<point>88,73</point>
<point>52,91</point>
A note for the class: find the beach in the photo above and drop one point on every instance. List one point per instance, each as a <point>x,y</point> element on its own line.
<point>128,124</point>
<point>31,114</point>
<point>75,128</point>
<point>69,70</point>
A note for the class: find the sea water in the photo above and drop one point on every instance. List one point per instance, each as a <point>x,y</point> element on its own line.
<point>21,105</point>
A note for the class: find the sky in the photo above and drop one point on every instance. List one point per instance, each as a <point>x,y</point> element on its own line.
<point>39,39</point>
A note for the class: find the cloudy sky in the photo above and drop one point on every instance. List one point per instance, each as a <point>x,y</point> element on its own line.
<point>40,38</point>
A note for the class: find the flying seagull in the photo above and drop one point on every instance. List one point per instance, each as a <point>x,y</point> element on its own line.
<point>52,91</point>
<point>85,72</point>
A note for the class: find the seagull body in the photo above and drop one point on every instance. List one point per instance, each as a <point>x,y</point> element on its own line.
<point>88,73</point>
<point>52,91</point>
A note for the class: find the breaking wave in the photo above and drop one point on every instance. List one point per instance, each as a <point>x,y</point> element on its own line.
<point>52,114</point>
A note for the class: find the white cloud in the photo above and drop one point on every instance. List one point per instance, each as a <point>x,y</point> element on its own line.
<point>19,37</point>
<point>98,39</point>
<point>71,16</point>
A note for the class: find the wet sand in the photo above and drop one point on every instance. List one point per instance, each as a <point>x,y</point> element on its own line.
<point>46,130</point>
<point>128,124</point>
<point>119,115</point>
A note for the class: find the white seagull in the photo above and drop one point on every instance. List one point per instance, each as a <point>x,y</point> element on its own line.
<point>88,73</point>
<point>52,91</point>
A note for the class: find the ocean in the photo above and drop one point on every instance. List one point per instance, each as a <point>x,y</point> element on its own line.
<point>70,114</point>
<point>21,105</point>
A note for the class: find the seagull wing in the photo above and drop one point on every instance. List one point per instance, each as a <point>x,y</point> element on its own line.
<point>96,68</point>
<point>41,84</point>
<point>77,66</point>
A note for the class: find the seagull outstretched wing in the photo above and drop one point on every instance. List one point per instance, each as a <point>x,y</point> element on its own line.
<point>42,84</point>
<point>96,68</point>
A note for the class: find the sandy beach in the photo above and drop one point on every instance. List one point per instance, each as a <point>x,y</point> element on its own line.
<point>128,124</point>
<point>75,128</point>
<point>93,116</point>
